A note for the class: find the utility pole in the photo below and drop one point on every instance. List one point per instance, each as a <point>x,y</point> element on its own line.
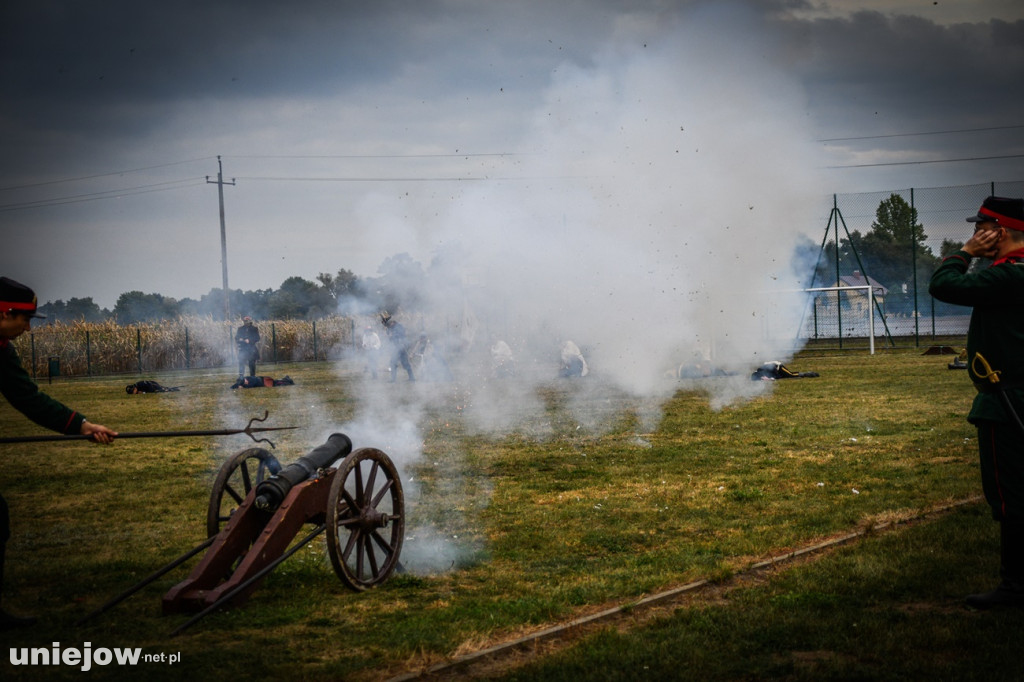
<point>223,234</point>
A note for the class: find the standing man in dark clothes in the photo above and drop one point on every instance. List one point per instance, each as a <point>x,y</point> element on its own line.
<point>995,349</point>
<point>247,340</point>
<point>399,347</point>
<point>17,308</point>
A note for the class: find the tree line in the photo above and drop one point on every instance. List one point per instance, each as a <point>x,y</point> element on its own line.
<point>400,279</point>
<point>893,253</point>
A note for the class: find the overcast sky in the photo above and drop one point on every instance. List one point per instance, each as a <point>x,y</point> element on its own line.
<point>356,131</point>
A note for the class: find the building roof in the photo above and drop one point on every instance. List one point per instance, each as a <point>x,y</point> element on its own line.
<point>859,280</point>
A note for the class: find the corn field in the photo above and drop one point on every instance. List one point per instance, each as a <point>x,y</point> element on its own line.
<point>94,348</point>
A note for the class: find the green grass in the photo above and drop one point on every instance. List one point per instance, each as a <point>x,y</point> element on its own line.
<point>586,503</point>
<point>886,608</point>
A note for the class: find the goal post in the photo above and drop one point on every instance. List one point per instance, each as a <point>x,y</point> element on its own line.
<point>861,306</point>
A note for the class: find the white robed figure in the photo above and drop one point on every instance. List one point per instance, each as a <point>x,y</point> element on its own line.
<point>502,360</point>
<point>370,344</point>
<point>573,362</point>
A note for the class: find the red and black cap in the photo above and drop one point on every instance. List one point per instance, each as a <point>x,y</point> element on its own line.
<point>18,297</point>
<point>1005,212</point>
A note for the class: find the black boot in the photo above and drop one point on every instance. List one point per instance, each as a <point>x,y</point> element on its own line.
<point>1010,592</point>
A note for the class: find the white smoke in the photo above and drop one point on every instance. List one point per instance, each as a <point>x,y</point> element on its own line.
<point>653,222</point>
<point>659,218</point>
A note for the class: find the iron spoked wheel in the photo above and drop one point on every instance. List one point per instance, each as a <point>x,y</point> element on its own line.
<point>236,478</point>
<point>365,519</point>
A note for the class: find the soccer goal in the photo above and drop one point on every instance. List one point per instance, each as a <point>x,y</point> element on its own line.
<point>840,312</point>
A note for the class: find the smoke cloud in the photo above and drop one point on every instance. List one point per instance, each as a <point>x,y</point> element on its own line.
<point>653,221</point>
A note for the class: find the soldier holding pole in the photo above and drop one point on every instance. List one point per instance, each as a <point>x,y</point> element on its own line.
<point>17,308</point>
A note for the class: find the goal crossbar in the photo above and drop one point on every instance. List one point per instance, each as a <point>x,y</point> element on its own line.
<point>869,291</point>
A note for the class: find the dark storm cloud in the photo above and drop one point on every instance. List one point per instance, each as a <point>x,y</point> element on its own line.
<point>101,102</point>
<point>877,74</point>
<point>97,59</point>
<point>80,81</point>
<point>89,66</point>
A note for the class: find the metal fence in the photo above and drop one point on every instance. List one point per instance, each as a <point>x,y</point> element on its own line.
<point>905,315</point>
<point>84,349</point>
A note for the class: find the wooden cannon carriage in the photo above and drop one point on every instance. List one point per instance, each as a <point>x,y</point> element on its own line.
<point>257,508</point>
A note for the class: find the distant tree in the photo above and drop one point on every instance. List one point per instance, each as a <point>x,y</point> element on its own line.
<point>242,303</point>
<point>826,274</point>
<point>285,306</point>
<point>949,247</point>
<point>344,291</point>
<point>400,285</point>
<point>299,298</point>
<point>135,306</point>
<point>75,310</point>
<point>85,309</point>
<point>191,307</point>
<point>252,303</point>
<point>894,250</point>
<point>211,304</point>
<point>892,253</point>
<point>55,311</point>
<point>345,283</point>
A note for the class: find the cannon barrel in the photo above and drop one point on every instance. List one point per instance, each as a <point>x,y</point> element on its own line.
<point>271,492</point>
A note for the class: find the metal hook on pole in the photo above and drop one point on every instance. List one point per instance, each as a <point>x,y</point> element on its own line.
<point>249,430</point>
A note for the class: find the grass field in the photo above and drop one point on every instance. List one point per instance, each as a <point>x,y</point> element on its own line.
<point>597,499</point>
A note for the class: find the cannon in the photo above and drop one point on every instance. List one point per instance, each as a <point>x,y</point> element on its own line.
<point>257,508</point>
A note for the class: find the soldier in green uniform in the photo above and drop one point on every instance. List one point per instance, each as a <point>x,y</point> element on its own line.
<point>995,349</point>
<point>17,308</point>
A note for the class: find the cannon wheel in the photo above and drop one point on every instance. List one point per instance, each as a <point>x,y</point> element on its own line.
<point>236,478</point>
<point>365,519</point>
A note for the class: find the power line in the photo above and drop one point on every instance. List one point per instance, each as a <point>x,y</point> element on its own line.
<point>372,156</point>
<point>108,194</point>
<point>442,155</point>
<point>258,156</point>
<point>180,184</point>
<point>192,182</point>
<point>130,190</point>
<point>489,178</point>
<point>918,163</point>
<point>371,179</point>
<point>935,132</point>
<point>103,175</point>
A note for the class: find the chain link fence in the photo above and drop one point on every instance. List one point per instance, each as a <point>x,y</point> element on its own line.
<point>904,314</point>
<point>84,349</point>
